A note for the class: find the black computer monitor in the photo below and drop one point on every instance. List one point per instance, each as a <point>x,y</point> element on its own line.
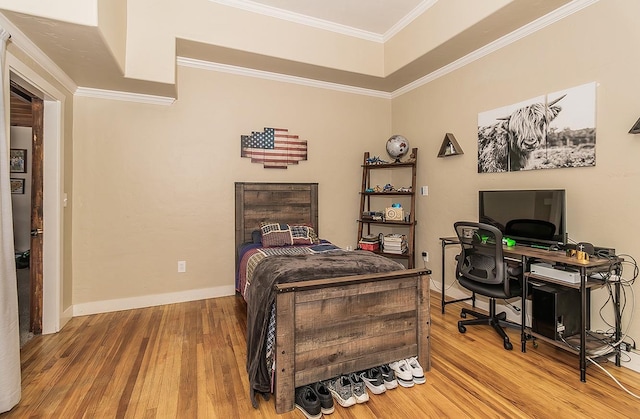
<point>530,217</point>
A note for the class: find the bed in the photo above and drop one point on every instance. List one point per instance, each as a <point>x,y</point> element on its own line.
<point>327,325</point>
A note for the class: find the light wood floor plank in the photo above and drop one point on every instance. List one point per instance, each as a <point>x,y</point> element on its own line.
<point>189,361</point>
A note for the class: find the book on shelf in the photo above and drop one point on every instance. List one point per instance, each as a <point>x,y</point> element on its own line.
<point>395,251</point>
<point>394,238</point>
<point>371,238</point>
<point>394,245</point>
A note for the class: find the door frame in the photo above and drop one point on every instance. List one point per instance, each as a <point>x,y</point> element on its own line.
<point>54,316</point>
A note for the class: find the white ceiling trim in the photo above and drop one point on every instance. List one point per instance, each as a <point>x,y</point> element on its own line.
<point>536,25</point>
<point>301,19</point>
<point>23,43</point>
<point>243,71</point>
<point>544,21</point>
<point>402,23</point>
<point>124,96</point>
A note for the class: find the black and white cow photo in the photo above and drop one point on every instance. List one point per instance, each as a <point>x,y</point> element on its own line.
<point>546,132</point>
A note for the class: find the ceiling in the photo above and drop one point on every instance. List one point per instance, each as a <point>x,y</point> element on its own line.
<point>85,61</point>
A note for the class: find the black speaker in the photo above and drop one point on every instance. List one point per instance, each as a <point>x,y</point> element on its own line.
<point>557,309</point>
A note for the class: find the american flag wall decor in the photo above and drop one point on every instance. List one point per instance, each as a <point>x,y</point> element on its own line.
<point>275,148</point>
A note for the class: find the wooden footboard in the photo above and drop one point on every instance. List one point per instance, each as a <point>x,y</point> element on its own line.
<point>325,328</point>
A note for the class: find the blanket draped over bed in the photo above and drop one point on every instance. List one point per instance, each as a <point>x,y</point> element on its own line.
<point>284,269</point>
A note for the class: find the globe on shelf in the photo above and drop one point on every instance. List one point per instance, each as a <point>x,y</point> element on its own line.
<point>397,147</point>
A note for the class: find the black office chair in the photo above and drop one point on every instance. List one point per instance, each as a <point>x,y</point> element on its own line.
<point>481,268</point>
<point>537,229</point>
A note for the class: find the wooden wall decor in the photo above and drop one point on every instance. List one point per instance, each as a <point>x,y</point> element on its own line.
<point>450,146</point>
<point>274,148</point>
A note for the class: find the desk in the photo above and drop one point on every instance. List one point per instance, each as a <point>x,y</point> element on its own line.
<point>526,255</point>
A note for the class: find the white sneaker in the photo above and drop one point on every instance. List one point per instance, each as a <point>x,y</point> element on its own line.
<point>416,370</point>
<point>403,372</point>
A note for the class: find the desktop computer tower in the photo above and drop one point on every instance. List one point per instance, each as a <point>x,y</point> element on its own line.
<point>556,309</point>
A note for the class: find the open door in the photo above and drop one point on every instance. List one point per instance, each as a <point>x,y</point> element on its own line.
<point>28,110</point>
<point>36,216</point>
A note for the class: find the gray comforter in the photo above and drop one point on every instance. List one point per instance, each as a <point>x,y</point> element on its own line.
<point>283,269</point>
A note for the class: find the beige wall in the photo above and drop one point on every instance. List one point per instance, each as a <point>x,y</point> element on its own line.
<point>442,22</point>
<point>153,28</point>
<point>154,184</point>
<point>150,185</point>
<point>596,44</point>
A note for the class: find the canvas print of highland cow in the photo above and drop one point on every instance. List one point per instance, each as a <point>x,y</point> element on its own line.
<point>547,132</point>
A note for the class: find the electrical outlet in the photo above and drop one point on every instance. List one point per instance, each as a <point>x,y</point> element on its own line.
<point>425,256</point>
<point>182,266</point>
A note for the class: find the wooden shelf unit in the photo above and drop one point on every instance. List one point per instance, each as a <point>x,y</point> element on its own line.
<point>365,227</point>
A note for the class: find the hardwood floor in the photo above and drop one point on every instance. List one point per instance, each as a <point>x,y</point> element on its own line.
<point>188,361</point>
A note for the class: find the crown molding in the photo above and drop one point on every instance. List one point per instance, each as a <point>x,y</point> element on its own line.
<point>124,96</point>
<point>248,72</point>
<point>538,24</point>
<point>262,9</point>
<point>402,23</point>
<point>24,44</point>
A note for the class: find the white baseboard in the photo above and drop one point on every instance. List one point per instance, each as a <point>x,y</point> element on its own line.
<point>66,316</point>
<point>630,360</point>
<point>107,306</point>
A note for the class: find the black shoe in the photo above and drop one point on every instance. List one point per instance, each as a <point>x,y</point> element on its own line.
<point>308,402</point>
<point>326,400</point>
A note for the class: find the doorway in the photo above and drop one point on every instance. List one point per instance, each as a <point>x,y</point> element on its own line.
<point>26,139</point>
<point>56,304</point>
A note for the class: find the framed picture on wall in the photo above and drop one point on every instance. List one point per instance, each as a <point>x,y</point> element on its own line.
<point>17,186</point>
<point>18,160</point>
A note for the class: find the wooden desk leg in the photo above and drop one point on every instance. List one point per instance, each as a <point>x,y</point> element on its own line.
<point>583,324</point>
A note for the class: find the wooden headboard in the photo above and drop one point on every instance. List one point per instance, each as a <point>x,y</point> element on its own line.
<point>291,203</point>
